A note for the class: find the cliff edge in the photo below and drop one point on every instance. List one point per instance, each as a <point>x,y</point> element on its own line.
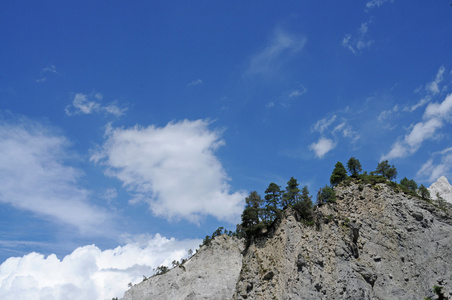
<point>375,242</point>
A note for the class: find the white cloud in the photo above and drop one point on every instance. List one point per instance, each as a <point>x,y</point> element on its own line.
<point>439,110</point>
<point>376,3</point>
<point>432,88</point>
<point>173,168</point>
<point>49,69</point>
<point>360,42</point>
<point>323,124</point>
<point>88,104</point>
<point>195,82</point>
<point>281,48</point>
<point>435,115</point>
<point>88,272</point>
<point>34,177</point>
<point>432,171</point>
<point>322,146</point>
<point>298,92</point>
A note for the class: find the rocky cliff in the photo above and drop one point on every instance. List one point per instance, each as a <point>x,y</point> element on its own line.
<point>373,243</point>
<point>443,188</point>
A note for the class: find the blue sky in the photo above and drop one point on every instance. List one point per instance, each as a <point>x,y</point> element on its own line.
<point>137,128</point>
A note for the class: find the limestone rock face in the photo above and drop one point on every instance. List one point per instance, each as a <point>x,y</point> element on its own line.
<point>443,188</point>
<point>374,243</point>
<point>211,273</point>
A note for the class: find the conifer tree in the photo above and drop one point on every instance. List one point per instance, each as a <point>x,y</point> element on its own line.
<point>386,170</point>
<point>339,174</point>
<point>292,193</point>
<point>273,201</point>
<point>354,167</point>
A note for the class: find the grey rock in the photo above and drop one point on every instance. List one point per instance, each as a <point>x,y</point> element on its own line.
<point>441,187</point>
<point>382,244</point>
<point>212,273</point>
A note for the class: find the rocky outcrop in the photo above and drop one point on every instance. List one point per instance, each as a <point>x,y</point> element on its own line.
<point>374,243</point>
<point>211,273</point>
<point>443,188</point>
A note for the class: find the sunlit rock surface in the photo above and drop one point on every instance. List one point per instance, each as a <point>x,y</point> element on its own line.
<point>374,243</point>
<point>443,187</point>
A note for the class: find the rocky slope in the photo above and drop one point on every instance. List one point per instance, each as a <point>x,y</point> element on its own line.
<point>374,243</point>
<point>211,273</point>
<point>443,187</point>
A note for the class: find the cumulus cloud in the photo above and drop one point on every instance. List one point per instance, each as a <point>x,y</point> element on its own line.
<point>434,118</point>
<point>322,146</point>
<point>173,169</point>
<point>282,47</point>
<point>88,272</point>
<point>89,104</point>
<point>35,176</point>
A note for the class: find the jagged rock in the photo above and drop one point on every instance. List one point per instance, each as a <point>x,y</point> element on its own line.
<point>443,188</point>
<point>211,273</point>
<point>374,243</point>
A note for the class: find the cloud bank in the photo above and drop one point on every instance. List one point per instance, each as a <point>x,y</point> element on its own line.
<point>88,272</point>
<point>173,169</point>
<point>35,176</point>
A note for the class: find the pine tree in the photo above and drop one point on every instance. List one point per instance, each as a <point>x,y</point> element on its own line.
<point>386,170</point>
<point>273,201</point>
<point>292,193</point>
<point>304,206</point>
<point>339,174</point>
<point>354,167</point>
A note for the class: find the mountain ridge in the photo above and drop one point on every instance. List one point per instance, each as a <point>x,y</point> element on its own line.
<point>375,242</point>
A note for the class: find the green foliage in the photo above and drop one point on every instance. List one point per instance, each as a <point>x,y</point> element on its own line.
<point>161,270</point>
<point>326,195</point>
<point>409,185</point>
<point>304,206</point>
<point>339,174</point>
<point>354,167</point>
<point>386,170</point>
<point>290,197</point>
<point>272,202</point>
<point>423,192</point>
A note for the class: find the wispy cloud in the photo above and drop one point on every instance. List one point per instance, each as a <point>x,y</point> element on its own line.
<point>431,88</point>
<point>88,272</point>
<point>195,82</point>
<point>356,43</point>
<point>376,3</point>
<point>89,104</point>
<point>35,177</point>
<point>434,118</point>
<point>298,92</point>
<point>173,169</point>
<point>439,164</point>
<point>332,128</point>
<point>51,69</point>
<point>282,47</point>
